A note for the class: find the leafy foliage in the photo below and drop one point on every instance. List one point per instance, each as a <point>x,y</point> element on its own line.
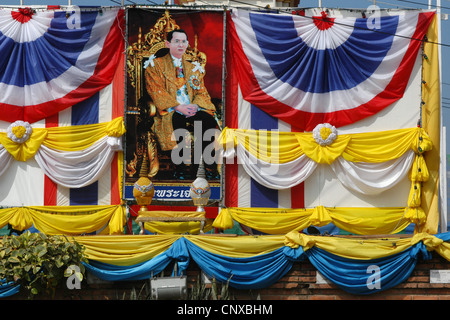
<point>39,262</point>
<point>201,291</point>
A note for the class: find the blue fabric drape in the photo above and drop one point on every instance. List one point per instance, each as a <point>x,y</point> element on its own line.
<point>360,277</point>
<point>310,69</point>
<point>244,273</point>
<point>8,289</point>
<point>254,272</point>
<point>443,236</point>
<point>364,277</point>
<point>144,270</point>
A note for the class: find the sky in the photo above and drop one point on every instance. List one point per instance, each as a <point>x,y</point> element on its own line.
<point>422,4</point>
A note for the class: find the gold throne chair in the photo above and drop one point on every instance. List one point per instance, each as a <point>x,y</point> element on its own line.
<point>148,45</point>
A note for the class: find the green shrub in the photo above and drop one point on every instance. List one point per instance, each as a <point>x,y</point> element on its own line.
<point>216,291</point>
<point>39,263</point>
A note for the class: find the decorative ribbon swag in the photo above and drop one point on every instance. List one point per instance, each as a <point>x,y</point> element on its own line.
<point>73,157</point>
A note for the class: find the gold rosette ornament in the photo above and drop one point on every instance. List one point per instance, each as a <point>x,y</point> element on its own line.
<point>324,134</point>
<point>21,141</point>
<point>19,131</point>
<point>324,145</point>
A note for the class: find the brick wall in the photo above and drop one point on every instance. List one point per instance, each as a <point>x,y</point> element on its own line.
<point>300,283</point>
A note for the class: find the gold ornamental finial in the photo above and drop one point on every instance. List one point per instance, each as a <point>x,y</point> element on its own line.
<point>143,190</point>
<point>144,167</point>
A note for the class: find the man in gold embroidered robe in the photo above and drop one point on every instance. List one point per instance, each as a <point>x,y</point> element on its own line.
<point>178,92</point>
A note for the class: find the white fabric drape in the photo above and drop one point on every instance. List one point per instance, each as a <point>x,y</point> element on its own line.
<point>76,169</point>
<point>362,177</point>
<point>276,176</point>
<point>372,178</point>
<point>5,159</point>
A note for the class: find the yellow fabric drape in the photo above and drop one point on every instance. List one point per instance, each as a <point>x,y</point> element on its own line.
<point>358,147</point>
<point>238,246</point>
<point>72,138</point>
<point>372,147</point>
<point>27,150</point>
<point>70,220</point>
<point>17,217</point>
<point>267,220</point>
<point>385,145</point>
<point>269,146</point>
<point>120,174</point>
<point>431,123</point>
<point>323,154</point>
<point>75,138</point>
<point>368,221</point>
<point>366,249</point>
<point>177,227</point>
<point>174,227</point>
<point>127,250</point>
<point>419,170</point>
<point>350,248</point>
<point>116,127</point>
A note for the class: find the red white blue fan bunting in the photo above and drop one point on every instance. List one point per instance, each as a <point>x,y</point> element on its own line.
<point>54,59</point>
<point>311,70</point>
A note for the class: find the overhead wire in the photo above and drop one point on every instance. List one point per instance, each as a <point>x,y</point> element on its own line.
<point>251,5</point>
<point>341,24</point>
<point>392,4</point>
<point>424,4</point>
